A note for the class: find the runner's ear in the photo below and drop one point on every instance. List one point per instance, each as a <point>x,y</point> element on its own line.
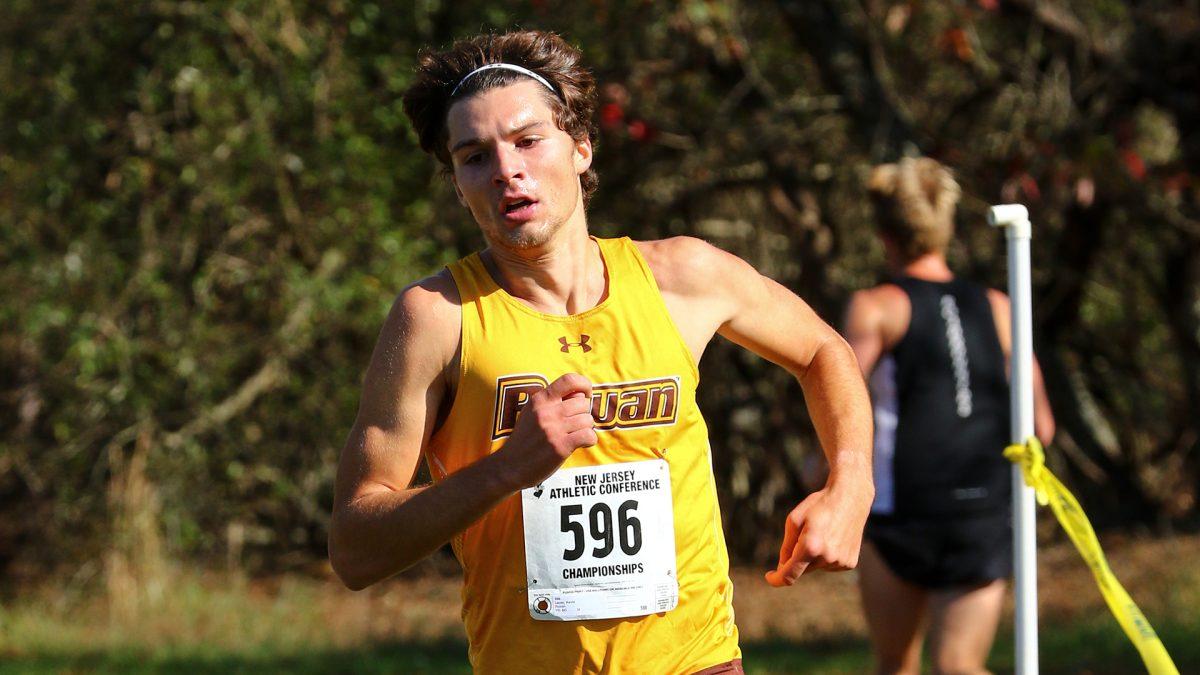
<point>457,192</point>
<point>583,155</point>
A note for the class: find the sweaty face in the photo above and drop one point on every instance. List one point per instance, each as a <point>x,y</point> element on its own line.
<point>514,168</point>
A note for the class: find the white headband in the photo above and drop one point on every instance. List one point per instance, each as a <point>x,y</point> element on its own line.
<point>504,66</point>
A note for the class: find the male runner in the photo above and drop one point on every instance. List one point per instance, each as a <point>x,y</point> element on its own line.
<point>549,382</point>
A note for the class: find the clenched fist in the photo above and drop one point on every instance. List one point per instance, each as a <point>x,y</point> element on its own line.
<point>553,424</point>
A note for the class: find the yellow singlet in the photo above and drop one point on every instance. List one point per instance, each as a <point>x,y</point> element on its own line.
<point>645,404</point>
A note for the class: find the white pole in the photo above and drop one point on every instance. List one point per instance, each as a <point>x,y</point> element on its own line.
<point>1014,218</point>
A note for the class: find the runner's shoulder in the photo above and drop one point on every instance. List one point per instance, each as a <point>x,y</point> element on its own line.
<point>884,310</point>
<point>427,315</point>
<point>691,266</point>
<point>886,297</point>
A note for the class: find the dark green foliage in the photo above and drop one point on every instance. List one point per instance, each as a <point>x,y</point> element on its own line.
<point>206,209</point>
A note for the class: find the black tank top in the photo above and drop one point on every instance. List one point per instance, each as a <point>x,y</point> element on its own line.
<point>952,395</point>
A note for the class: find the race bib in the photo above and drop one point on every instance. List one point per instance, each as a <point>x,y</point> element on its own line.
<point>600,542</point>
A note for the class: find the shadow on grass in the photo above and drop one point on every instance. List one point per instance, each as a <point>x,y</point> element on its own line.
<point>825,657</point>
<point>382,657</point>
<point>1096,647</point>
<point>394,657</point>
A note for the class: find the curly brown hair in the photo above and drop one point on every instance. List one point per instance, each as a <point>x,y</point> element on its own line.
<point>429,98</point>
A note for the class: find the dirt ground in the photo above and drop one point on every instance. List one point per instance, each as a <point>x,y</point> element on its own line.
<point>425,604</point>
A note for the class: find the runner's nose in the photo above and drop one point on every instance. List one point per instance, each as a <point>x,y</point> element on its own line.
<point>509,166</point>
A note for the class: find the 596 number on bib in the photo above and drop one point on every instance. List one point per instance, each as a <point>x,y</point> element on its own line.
<point>627,532</point>
<point>600,542</point>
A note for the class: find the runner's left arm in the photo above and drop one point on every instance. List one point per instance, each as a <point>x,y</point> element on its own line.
<point>1043,416</point>
<point>825,530</point>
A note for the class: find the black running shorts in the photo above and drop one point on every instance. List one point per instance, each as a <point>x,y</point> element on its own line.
<point>936,553</point>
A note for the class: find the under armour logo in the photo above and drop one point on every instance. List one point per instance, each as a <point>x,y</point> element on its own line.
<point>583,343</point>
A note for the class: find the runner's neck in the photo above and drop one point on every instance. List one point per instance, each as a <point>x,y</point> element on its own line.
<point>928,267</point>
<point>566,276</point>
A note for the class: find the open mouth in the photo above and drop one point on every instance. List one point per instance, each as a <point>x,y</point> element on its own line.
<point>517,205</point>
<point>518,209</point>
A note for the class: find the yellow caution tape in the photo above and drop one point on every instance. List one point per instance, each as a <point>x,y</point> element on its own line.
<point>1032,460</point>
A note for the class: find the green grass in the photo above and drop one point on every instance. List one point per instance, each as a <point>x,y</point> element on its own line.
<point>841,657</point>
<point>398,657</point>
<point>207,624</point>
<point>1080,648</point>
<point>387,657</point>
<point>1091,647</point>
<point>1096,645</point>
<point>198,624</point>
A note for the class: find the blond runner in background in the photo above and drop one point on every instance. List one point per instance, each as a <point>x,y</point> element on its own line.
<point>935,349</point>
<point>549,381</point>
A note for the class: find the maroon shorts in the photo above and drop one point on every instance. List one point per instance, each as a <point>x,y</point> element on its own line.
<point>733,667</point>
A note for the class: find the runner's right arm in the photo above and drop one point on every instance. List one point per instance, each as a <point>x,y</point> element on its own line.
<point>382,525</point>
